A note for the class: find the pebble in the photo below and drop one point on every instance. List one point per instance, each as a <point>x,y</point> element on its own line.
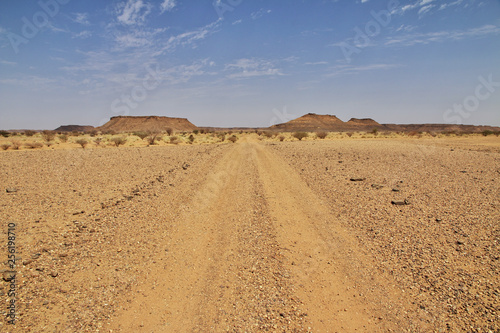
<point>11,190</point>
<point>357,179</point>
<point>400,202</point>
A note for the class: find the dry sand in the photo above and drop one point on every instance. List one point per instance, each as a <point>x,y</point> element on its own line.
<point>257,236</point>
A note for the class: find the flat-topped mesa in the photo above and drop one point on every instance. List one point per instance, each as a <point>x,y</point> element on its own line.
<point>311,122</point>
<point>363,122</point>
<point>147,123</point>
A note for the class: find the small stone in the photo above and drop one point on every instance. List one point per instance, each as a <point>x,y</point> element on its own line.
<point>400,202</point>
<point>396,189</point>
<point>80,212</point>
<point>54,274</point>
<point>438,220</point>
<point>460,242</point>
<point>11,190</point>
<point>357,179</point>
<point>377,186</point>
<point>27,262</point>
<point>185,166</point>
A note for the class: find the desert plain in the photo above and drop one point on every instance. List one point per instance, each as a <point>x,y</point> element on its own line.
<point>344,234</point>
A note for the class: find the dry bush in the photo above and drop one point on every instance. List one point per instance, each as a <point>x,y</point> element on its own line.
<point>63,138</point>
<point>191,138</point>
<point>121,140</point>
<point>5,146</point>
<point>232,138</point>
<point>259,133</point>
<point>321,135</point>
<point>497,133</point>
<point>153,137</point>
<point>221,136</point>
<point>48,135</point>
<point>174,140</point>
<point>82,142</point>
<point>33,145</point>
<point>110,132</point>
<point>195,132</point>
<point>141,135</point>
<point>349,134</point>
<point>16,144</point>
<point>169,131</point>
<point>487,132</point>
<point>281,137</point>
<point>98,141</point>
<point>5,134</point>
<point>29,133</point>
<point>375,131</point>
<point>93,133</point>
<point>413,133</point>
<point>300,135</point>
<point>268,134</point>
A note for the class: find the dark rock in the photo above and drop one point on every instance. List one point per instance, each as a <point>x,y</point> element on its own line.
<point>357,179</point>
<point>54,274</point>
<point>185,166</point>
<point>400,202</point>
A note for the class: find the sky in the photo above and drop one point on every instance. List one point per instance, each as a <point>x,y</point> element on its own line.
<point>248,62</point>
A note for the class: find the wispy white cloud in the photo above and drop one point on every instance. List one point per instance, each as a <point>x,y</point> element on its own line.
<point>133,12</point>
<point>245,68</point>
<point>237,22</point>
<point>81,18</point>
<point>8,63</point>
<point>167,5</point>
<point>316,63</point>
<point>441,36</point>
<point>258,14</point>
<point>83,34</point>
<point>351,69</point>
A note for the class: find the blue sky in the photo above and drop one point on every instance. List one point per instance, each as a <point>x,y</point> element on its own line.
<point>248,63</point>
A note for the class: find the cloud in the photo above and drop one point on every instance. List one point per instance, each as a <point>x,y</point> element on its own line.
<point>81,18</point>
<point>259,13</point>
<point>237,22</point>
<point>442,36</point>
<point>351,69</point>
<point>8,63</point>
<point>83,35</point>
<point>167,5</point>
<point>316,63</point>
<point>245,68</point>
<point>133,12</point>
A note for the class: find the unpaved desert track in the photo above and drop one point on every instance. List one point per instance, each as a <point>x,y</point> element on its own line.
<point>256,250</point>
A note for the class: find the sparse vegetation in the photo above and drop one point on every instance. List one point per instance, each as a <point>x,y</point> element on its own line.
<point>169,131</point>
<point>118,141</point>
<point>233,138</point>
<point>141,135</point>
<point>349,134</point>
<point>48,136</point>
<point>487,132</point>
<point>375,131</point>
<point>82,142</point>
<point>16,144</point>
<point>191,138</point>
<point>174,140</point>
<point>93,133</point>
<point>5,134</point>
<point>300,135</point>
<point>5,146</point>
<point>33,145</point>
<point>321,135</point>
<point>29,133</point>
<point>63,137</point>
<point>195,132</point>
<point>98,141</point>
<point>281,137</point>
<point>153,137</point>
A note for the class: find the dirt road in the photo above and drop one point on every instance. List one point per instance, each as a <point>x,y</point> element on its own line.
<point>256,250</point>
<point>255,236</point>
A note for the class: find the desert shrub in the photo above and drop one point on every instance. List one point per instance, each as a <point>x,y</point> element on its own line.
<point>34,145</point>
<point>120,140</point>
<point>141,135</point>
<point>195,132</point>
<point>497,133</point>
<point>413,133</point>
<point>174,140</point>
<point>110,132</point>
<point>375,131</point>
<point>268,134</point>
<point>16,144</point>
<point>82,142</point>
<point>48,135</point>
<point>63,137</point>
<point>259,133</point>
<point>98,141</point>
<point>5,134</point>
<point>5,146</point>
<point>191,138</point>
<point>93,133</point>
<point>153,137</point>
<point>349,134</point>
<point>487,132</point>
<point>281,137</point>
<point>232,138</point>
<point>222,137</point>
<point>300,135</point>
<point>169,131</point>
<point>29,133</point>
<point>321,135</point>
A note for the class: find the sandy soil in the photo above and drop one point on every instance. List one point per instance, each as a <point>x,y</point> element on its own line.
<point>257,236</point>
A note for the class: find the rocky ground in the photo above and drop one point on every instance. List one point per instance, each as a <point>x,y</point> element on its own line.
<point>322,236</point>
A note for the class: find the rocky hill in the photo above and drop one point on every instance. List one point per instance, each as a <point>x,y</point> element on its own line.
<point>147,123</point>
<point>74,128</point>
